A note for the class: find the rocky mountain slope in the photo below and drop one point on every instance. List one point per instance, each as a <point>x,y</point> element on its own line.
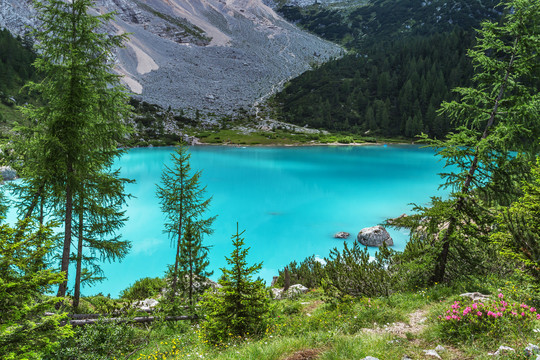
<point>212,55</point>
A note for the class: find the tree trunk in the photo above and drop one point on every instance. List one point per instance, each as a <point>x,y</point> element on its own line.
<point>442,260</point>
<point>77,291</point>
<point>67,238</point>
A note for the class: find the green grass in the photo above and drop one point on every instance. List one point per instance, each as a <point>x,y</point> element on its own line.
<point>281,137</point>
<point>341,330</point>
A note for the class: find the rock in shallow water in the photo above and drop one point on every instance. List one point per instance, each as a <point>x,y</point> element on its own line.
<point>341,235</point>
<point>374,236</point>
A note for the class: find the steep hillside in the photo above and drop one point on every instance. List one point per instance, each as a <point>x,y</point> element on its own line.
<point>211,55</point>
<point>406,57</point>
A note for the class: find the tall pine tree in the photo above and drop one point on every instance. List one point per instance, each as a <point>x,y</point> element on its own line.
<point>77,129</point>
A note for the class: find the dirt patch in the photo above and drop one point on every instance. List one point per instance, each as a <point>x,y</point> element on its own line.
<point>312,306</point>
<point>416,324</point>
<point>307,354</point>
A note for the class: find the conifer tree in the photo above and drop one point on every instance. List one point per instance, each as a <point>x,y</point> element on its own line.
<point>239,307</point>
<point>497,116</point>
<point>193,264</point>
<point>182,199</point>
<point>76,131</point>
<point>25,333</point>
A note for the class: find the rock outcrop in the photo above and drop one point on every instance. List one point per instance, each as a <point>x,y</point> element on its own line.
<point>293,291</point>
<point>374,236</point>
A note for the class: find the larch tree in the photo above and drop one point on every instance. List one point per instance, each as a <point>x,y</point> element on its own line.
<point>183,201</point>
<point>498,117</point>
<point>77,129</point>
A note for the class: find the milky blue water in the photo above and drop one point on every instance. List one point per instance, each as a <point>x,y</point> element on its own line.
<point>290,201</point>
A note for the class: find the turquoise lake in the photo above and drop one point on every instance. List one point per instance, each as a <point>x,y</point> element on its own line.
<point>289,200</point>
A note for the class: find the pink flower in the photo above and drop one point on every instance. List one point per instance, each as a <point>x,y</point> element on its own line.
<point>501,295</point>
<point>448,317</point>
<point>538,317</point>
<point>522,314</point>
<point>474,306</point>
<point>533,309</point>
<point>479,313</point>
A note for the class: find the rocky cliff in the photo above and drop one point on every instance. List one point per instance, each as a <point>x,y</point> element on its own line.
<point>211,55</point>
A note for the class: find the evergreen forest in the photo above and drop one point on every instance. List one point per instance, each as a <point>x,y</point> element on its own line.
<point>404,58</point>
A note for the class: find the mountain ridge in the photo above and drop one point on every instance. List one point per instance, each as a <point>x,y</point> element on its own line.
<point>216,56</point>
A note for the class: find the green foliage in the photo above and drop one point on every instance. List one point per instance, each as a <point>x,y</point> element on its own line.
<point>144,288</point>
<point>353,272</point>
<point>497,116</point>
<point>71,143</point>
<point>16,58</point>
<point>24,279</point>
<point>99,341</point>
<point>519,234</point>
<point>388,88</point>
<point>240,307</point>
<point>182,200</point>
<point>308,273</point>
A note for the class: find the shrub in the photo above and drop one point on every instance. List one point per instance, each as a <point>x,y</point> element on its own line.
<point>143,289</point>
<point>308,273</point>
<point>98,341</point>
<point>493,318</point>
<point>354,272</point>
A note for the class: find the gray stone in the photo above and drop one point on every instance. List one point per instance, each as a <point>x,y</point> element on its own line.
<point>440,348</point>
<point>341,235</point>
<point>502,350</point>
<point>7,173</point>
<point>374,236</point>
<point>532,349</point>
<point>293,291</point>
<point>370,358</point>
<point>432,353</point>
<point>475,296</point>
<point>147,304</point>
<point>405,357</point>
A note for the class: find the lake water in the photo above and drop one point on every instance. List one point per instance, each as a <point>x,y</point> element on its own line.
<point>289,200</point>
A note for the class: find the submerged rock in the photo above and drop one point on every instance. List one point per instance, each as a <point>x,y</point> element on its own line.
<point>341,235</point>
<point>374,236</point>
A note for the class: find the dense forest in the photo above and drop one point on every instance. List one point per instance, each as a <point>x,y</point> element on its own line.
<point>16,58</point>
<point>404,59</point>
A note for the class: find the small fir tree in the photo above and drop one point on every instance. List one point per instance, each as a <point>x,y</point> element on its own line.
<point>25,333</point>
<point>240,306</point>
<point>183,200</point>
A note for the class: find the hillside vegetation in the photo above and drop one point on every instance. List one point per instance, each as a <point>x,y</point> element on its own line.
<point>404,59</point>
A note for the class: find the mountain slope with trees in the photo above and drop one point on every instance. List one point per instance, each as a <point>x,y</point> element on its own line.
<point>404,59</point>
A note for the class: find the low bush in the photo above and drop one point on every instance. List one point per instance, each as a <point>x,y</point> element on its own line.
<point>498,318</point>
<point>143,289</point>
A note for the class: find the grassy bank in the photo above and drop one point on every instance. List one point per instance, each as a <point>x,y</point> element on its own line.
<point>313,326</point>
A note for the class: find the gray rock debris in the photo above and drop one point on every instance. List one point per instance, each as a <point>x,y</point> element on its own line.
<point>502,350</point>
<point>475,296</point>
<point>432,353</point>
<point>370,358</point>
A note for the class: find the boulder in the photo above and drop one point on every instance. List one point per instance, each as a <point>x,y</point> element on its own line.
<point>475,296</point>
<point>341,235</point>
<point>147,304</point>
<point>7,173</point>
<point>374,236</point>
<point>293,291</point>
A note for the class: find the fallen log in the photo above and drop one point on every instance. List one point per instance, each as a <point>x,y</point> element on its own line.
<point>138,319</point>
